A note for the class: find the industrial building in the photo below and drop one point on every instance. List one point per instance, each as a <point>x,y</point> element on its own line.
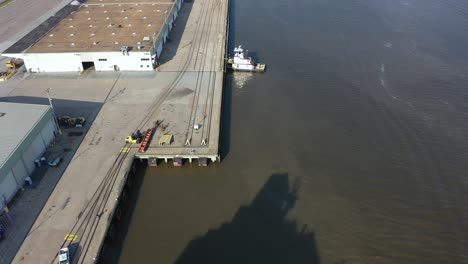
<point>109,35</point>
<point>26,132</point>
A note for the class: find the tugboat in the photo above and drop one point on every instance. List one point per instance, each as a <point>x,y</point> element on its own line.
<point>241,62</point>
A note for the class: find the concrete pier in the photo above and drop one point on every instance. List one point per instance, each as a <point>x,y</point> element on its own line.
<point>186,90</point>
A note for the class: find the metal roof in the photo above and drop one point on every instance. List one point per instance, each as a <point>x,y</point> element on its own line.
<point>16,123</point>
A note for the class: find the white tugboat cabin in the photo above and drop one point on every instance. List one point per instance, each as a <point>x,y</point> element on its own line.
<point>241,62</point>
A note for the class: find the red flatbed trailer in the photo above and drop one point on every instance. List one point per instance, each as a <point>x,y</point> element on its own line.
<point>146,140</point>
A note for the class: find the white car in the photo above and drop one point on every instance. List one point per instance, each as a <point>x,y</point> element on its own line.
<point>64,256</point>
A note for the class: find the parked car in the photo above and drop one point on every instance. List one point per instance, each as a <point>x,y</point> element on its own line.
<point>54,162</point>
<point>80,121</point>
<point>64,256</point>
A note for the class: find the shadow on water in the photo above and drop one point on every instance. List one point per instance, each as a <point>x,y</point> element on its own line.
<point>258,233</point>
<point>227,89</point>
<point>118,230</point>
<point>226,117</point>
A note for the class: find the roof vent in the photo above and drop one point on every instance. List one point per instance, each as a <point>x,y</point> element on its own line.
<point>123,10</point>
<point>94,43</point>
<point>146,38</point>
<point>140,47</point>
<point>125,17</point>
<point>105,11</point>
<point>129,25</point>
<point>149,25</point>
<point>71,35</point>
<point>110,25</point>
<point>51,35</point>
<point>144,17</point>
<point>153,4</point>
<point>92,34</point>
<point>50,45</point>
<point>158,10</point>
<point>90,26</point>
<point>107,18</point>
<point>70,19</point>
<point>89,18</point>
<point>71,26</point>
<point>87,12</point>
<point>134,33</point>
<point>86,6</point>
<point>75,3</point>
<point>116,43</point>
<point>120,5</point>
<point>72,44</point>
<point>113,33</point>
<point>102,5</point>
<point>124,50</point>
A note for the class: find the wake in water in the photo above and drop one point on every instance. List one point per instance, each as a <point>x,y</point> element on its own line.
<point>384,85</point>
<point>240,79</point>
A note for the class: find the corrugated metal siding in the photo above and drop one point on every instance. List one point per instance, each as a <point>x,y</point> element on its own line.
<point>18,128</point>
<point>8,187</point>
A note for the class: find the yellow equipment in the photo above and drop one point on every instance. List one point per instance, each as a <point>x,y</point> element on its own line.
<point>12,64</point>
<point>165,139</point>
<point>4,76</point>
<point>130,140</point>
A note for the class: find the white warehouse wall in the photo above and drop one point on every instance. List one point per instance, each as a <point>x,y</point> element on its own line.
<point>73,62</point>
<point>52,62</point>
<point>134,61</point>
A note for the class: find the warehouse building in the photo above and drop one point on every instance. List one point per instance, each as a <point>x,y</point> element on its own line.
<point>26,132</point>
<point>109,35</point>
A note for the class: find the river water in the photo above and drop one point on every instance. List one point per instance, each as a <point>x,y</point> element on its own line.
<point>351,148</point>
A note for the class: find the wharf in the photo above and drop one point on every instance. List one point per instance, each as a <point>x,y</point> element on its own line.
<point>186,89</point>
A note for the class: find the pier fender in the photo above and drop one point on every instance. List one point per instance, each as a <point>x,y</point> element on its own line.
<point>129,182</point>
<point>118,214</point>
<point>123,196</point>
<point>111,231</point>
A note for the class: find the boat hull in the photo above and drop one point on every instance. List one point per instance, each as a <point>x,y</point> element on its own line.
<point>245,68</point>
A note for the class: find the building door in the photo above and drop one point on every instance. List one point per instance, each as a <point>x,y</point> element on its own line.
<point>88,65</point>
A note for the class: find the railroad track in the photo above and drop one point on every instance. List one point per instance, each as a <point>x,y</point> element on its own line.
<point>84,229</point>
<point>199,83</point>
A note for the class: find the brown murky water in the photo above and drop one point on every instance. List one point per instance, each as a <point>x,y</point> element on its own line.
<point>351,148</point>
